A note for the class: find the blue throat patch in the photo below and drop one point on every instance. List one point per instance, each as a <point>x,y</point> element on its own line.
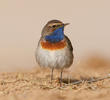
<point>56,36</point>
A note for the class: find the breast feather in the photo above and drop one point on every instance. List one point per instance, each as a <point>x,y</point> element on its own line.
<point>53,46</point>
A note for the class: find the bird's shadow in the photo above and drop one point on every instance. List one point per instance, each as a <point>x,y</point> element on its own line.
<point>76,81</point>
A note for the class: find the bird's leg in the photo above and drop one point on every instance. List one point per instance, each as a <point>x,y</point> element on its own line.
<point>61,77</point>
<point>52,74</point>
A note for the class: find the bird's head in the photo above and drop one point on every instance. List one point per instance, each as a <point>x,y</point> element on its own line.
<point>53,31</point>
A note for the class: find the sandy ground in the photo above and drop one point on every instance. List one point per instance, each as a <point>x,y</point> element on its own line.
<point>88,80</point>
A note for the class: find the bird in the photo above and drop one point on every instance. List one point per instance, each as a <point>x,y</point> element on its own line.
<point>54,49</point>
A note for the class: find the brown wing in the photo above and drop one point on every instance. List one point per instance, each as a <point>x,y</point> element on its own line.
<point>69,43</point>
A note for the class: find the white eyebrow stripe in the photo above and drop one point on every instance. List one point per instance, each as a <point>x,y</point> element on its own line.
<point>55,24</point>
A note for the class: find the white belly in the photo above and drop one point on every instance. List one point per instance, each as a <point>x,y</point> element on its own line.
<point>56,58</point>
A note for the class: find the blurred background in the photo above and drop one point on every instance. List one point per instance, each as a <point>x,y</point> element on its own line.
<point>21,22</point>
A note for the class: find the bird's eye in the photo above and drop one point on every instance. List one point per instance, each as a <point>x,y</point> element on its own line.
<point>54,26</point>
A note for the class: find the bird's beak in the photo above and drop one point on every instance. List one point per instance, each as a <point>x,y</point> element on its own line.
<point>66,24</point>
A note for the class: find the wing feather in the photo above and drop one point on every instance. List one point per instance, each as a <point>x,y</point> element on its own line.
<point>69,43</point>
